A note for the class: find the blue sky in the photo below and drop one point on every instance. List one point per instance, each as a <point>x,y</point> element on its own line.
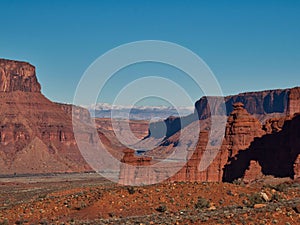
<point>249,45</point>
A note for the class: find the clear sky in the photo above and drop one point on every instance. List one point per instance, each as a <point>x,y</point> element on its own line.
<point>249,45</point>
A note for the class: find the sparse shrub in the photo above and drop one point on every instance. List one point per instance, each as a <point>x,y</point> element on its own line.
<point>204,218</point>
<point>43,222</point>
<point>276,197</point>
<point>131,190</point>
<point>201,203</point>
<point>239,181</point>
<point>229,192</point>
<point>4,222</point>
<point>161,208</point>
<point>42,196</point>
<point>80,206</point>
<point>111,214</point>
<point>281,187</point>
<point>19,222</point>
<point>220,221</point>
<point>255,199</point>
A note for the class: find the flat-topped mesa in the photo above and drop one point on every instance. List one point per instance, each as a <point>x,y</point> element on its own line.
<point>18,76</point>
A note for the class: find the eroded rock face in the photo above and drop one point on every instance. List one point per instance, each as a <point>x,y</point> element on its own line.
<point>253,172</point>
<point>249,150</point>
<point>134,168</point>
<point>297,167</point>
<point>274,125</point>
<point>241,129</point>
<point>294,101</point>
<point>17,76</point>
<point>192,170</point>
<point>32,127</point>
<point>262,104</point>
<point>276,152</point>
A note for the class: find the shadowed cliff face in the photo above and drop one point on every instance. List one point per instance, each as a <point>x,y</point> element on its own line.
<point>249,150</point>
<point>263,105</point>
<point>276,154</point>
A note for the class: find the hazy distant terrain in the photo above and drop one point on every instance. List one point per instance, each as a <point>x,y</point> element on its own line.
<point>104,110</point>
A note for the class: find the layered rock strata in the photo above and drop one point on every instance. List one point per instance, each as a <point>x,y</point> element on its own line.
<point>249,151</point>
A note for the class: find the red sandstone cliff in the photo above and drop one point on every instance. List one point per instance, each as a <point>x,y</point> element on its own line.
<point>18,76</point>
<point>262,105</point>
<point>36,135</point>
<point>249,151</point>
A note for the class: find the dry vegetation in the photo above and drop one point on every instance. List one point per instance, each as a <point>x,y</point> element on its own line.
<point>88,199</point>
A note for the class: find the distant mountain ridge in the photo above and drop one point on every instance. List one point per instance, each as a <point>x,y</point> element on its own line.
<point>104,110</point>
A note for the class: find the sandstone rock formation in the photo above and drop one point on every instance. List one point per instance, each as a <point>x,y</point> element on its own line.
<point>253,172</point>
<point>134,168</point>
<point>249,150</point>
<point>276,153</point>
<point>262,104</point>
<point>18,76</point>
<point>241,129</point>
<point>36,135</point>
<point>191,171</point>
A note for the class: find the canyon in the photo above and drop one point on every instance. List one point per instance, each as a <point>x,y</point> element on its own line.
<point>36,135</point>
<point>250,150</point>
<point>261,134</point>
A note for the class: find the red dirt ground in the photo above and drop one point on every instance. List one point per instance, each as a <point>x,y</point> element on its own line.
<point>88,199</point>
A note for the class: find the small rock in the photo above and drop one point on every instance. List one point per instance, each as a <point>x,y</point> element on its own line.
<point>259,206</point>
<point>264,196</point>
<point>212,208</point>
<point>297,208</point>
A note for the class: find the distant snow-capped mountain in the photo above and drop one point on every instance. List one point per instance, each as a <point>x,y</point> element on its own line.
<point>105,110</point>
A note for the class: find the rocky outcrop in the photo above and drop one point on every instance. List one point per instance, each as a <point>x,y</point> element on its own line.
<point>254,172</point>
<point>249,151</point>
<point>133,168</point>
<point>277,153</point>
<point>293,102</point>
<point>36,135</point>
<point>241,129</point>
<point>32,128</point>
<point>297,167</point>
<point>139,128</point>
<point>262,105</point>
<point>18,76</point>
<point>191,171</point>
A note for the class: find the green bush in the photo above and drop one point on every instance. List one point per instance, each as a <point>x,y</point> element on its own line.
<point>255,199</point>
<point>201,203</point>
<point>161,208</point>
